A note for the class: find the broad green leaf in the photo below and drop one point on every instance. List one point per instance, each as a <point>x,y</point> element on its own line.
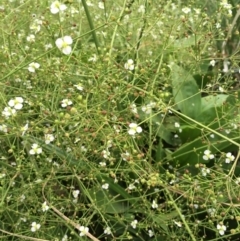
<point>213,107</point>
<point>192,152</point>
<point>186,92</point>
<point>108,203</point>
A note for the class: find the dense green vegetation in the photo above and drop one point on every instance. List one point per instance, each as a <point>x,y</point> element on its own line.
<point>119,120</point>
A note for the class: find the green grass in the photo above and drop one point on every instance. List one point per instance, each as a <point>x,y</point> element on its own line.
<point>128,129</point>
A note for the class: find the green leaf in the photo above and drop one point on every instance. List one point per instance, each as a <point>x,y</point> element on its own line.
<point>107,202</point>
<point>185,91</point>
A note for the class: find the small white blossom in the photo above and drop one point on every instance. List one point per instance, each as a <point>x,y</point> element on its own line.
<point>75,193</point>
<point>57,7</point>
<point>211,211</point>
<point>186,10</point>
<point>45,207</point>
<point>16,103</point>
<point>24,129</point>
<point>33,66</point>
<point>102,164</point>
<point>207,155</point>
<point>79,87</point>
<point>205,171</point>
<point>31,38</point>
<point>105,186</point>
<point>64,44</point>
<point>131,186</point>
<point>176,124</point>
<point>150,233</point>
<point>93,58</point>
<point>134,223</point>
<point>66,102</point>
<point>179,224</point>
<point>83,230</point>
<point>134,128</point>
<point>221,229</point>
<point>133,108</point>
<point>2,175</point>
<point>101,5</point>
<point>49,138</point>
<point>3,128</point>
<point>8,111</point>
<point>129,65</point>
<point>35,149</point>
<point>212,62</point>
<point>106,154</point>
<point>65,238</point>
<point>35,226</point>
<point>141,9</point>
<point>154,204</point>
<point>229,157</point>
<point>107,230</point>
<point>125,156</point>
<point>36,25</point>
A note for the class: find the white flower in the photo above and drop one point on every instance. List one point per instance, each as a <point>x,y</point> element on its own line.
<point>105,186</point>
<point>75,193</point>
<point>49,138</point>
<point>93,58</point>
<point>205,171</point>
<point>83,230</point>
<point>16,103</point>
<point>35,149</point>
<point>33,66</point>
<point>48,46</point>
<point>186,10</point>
<point>134,223</point>
<point>79,87</point>
<point>229,157</point>
<point>31,38</point>
<point>179,224</point>
<point>207,155</point>
<point>64,43</point>
<point>133,108</point>
<point>24,128</point>
<point>154,204</point>
<point>45,207</point>
<point>66,102</point>
<point>8,111</point>
<point>106,154</point>
<point>141,9</point>
<point>176,124</point>
<point>131,186</point>
<point>150,233</point>
<point>134,128</point>
<point>101,5</point>
<point>65,238</point>
<point>56,7</point>
<point>36,25</point>
<point>2,175</point>
<point>102,164</point>
<point>221,228</point>
<point>125,156</point>
<point>129,65</point>
<point>3,128</point>
<point>211,211</point>
<point>107,231</point>
<point>35,226</point>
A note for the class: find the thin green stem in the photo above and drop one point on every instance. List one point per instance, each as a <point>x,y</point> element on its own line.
<point>181,216</point>
<point>90,22</point>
